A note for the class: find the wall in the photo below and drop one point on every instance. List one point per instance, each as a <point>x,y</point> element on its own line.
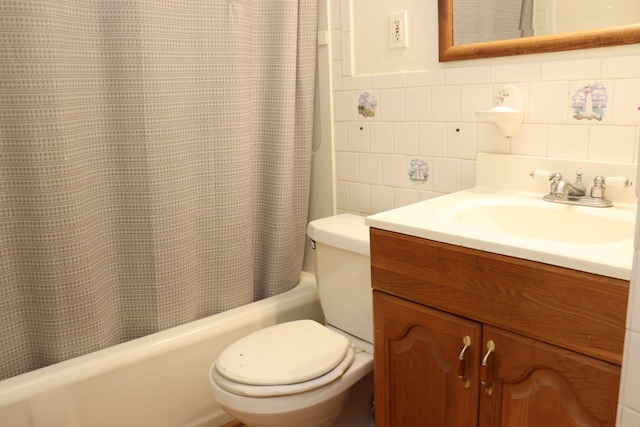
<point>423,111</point>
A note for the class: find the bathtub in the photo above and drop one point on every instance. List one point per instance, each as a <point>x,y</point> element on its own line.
<point>159,380</point>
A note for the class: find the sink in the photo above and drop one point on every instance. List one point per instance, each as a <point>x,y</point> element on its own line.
<point>550,223</point>
<point>504,213</point>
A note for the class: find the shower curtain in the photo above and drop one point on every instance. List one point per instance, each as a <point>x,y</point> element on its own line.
<point>154,165</point>
<point>484,21</point>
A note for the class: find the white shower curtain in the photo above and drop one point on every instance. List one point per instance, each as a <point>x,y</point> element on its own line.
<point>154,165</point>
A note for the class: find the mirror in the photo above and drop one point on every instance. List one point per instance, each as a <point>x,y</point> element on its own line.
<point>592,38</point>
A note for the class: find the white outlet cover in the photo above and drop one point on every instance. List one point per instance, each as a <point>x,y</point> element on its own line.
<point>398,29</point>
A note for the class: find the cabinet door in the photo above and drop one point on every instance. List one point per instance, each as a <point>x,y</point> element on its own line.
<point>417,351</point>
<point>538,385</point>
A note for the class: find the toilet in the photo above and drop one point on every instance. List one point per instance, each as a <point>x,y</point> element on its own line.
<point>300,373</point>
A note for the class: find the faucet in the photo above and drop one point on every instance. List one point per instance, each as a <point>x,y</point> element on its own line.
<point>561,191</point>
<point>562,188</point>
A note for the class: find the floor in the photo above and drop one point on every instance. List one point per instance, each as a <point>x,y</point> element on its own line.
<point>234,424</point>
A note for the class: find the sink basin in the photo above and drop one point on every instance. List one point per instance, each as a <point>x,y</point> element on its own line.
<point>549,223</point>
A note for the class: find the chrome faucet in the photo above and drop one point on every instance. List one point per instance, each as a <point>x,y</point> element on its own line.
<point>561,188</point>
<point>561,191</point>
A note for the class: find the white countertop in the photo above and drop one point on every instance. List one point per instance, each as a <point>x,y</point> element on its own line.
<point>605,248</point>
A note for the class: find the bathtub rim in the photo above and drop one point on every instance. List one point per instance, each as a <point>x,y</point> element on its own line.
<point>68,372</point>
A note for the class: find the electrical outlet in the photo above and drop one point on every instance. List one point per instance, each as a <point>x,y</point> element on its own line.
<point>398,34</point>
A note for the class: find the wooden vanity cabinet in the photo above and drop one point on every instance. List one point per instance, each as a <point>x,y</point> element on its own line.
<point>558,337</point>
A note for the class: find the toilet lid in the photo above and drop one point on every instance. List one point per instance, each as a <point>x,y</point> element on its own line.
<point>287,353</point>
<point>285,389</point>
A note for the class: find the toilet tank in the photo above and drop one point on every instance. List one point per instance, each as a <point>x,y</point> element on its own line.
<point>343,273</point>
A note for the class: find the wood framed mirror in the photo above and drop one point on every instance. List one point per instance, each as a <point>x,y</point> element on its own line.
<point>602,37</point>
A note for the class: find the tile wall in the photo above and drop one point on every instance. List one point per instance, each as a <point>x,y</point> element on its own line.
<point>383,123</point>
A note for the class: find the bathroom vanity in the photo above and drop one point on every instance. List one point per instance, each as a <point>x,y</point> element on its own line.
<point>495,330</point>
<point>558,338</point>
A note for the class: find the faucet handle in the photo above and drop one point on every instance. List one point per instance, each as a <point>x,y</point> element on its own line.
<point>540,174</point>
<point>578,187</point>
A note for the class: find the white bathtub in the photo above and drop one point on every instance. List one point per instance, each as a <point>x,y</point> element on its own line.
<point>155,381</point>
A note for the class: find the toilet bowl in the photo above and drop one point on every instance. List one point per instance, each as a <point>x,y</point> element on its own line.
<point>300,373</point>
<point>316,402</point>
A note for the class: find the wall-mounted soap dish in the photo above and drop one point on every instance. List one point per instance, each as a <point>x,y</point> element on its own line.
<point>507,112</point>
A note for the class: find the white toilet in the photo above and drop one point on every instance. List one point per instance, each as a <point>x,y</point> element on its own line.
<point>300,373</point>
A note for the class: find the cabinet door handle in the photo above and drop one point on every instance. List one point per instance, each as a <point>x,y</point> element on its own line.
<point>461,363</point>
<point>484,369</point>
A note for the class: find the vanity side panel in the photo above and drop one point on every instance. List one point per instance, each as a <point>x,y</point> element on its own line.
<point>578,311</point>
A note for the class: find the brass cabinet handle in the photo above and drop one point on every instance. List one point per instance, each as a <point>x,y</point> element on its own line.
<point>461,363</point>
<point>484,369</point>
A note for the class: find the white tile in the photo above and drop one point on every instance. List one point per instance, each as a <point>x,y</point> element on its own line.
<point>381,137</point>
<point>619,415</point>
<point>637,154</point>
<point>346,15</point>
<point>342,195</point>
<point>359,197</point>
<point>631,391</point>
<point>405,196</point>
<point>428,195</point>
<point>405,138</point>
<point>391,104</point>
<point>336,45</point>
<point>462,141</point>
<point>629,418</point>
<point>626,101</point>
<point>531,140</point>
<point>433,139</point>
<point>418,104</point>
<point>568,142</point>
<point>340,136</point>
<point>357,137</point>
<point>426,78</point>
<point>612,143</point>
<point>335,14</point>
<point>393,170</point>
<point>634,301</point>
<point>347,166</point>
<point>467,174</point>
<point>347,54</point>
<point>381,198</point>
<point>445,103</point>
<point>623,370</point>
<point>446,175</point>
<point>345,106</point>
<point>571,69</point>
<point>389,80</point>
<point>511,73</point>
<point>621,66</point>
<point>467,75</point>
<point>369,170</point>
<point>336,75</point>
<point>356,82</point>
<point>474,98</point>
<point>491,140</point>
<point>548,102</point>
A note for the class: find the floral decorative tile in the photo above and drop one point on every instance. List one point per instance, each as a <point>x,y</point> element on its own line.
<point>418,171</point>
<point>589,102</point>
<point>368,104</point>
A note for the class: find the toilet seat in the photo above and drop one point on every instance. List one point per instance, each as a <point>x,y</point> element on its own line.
<point>287,358</point>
